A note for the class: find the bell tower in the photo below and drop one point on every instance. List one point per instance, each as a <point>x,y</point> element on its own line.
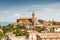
<point>33,18</point>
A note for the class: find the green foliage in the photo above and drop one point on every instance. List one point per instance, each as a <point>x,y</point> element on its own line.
<point>8,28</point>
<point>0,26</point>
<point>49,24</point>
<point>18,32</point>
<point>41,21</point>
<point>24,32</point>
<point>55,23</point>
<point>32,23</point>
<point>40,29</point>
<point>1,35</point>
<point>21,25</point>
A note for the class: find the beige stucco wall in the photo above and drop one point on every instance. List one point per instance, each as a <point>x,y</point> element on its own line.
<point>19,38</point>
<point>50,39</point>
<point>48,36</point>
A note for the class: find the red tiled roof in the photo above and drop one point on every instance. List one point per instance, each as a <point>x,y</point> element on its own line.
<point>25,18</point>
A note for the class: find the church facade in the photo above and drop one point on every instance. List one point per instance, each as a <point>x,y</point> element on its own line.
<point>27,21</point>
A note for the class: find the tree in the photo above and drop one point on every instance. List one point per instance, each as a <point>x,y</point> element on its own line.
<point>40,29</point>
<point>41,21</point>
<point>18,32</point>
<point>0,26</point>
<point>21,25</point>
<point>32,23</point>
<point>1,35</point>
<point>53,22</point>
<point>8,28</point>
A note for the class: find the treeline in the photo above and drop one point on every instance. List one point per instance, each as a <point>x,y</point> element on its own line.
<point>19,30</point>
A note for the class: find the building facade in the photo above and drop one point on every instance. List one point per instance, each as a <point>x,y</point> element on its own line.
<point>27,21</point>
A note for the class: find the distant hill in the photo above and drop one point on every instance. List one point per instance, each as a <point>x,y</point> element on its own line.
<point>5,23</point>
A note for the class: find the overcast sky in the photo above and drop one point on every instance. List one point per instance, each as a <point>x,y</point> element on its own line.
<point>10,10</point>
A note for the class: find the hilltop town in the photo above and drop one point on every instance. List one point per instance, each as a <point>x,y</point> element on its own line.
<point>32,29</point>
<point>34,23</point>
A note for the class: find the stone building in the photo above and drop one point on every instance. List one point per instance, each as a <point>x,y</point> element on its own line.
<point>27,20</point>
<point>33,35</point>
<point>24,21</point>
<point>34,21</point>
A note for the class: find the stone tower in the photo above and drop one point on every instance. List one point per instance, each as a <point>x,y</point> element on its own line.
<point>33,18</point>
